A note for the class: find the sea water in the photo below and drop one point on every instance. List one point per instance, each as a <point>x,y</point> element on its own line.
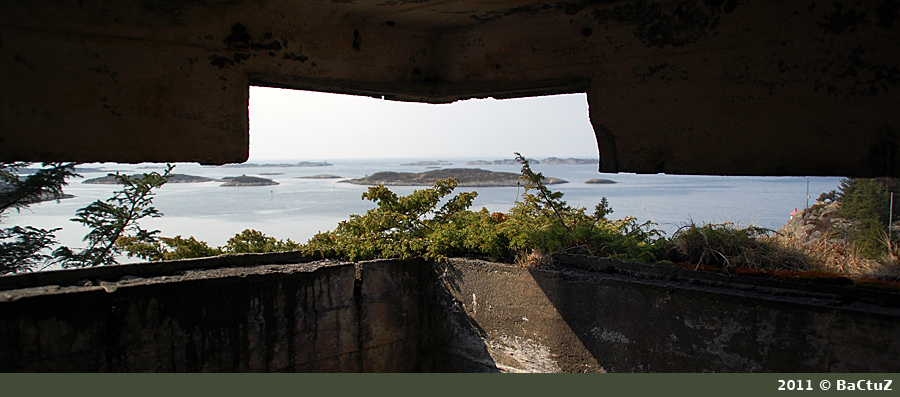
<point>297,209</point>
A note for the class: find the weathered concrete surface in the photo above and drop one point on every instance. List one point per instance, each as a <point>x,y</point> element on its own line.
<point>779,88</point>
<point>309,317</point>
<point>675,86</point>
<point>273,313</point>
<point>498,320</point>
<point>611,316</point>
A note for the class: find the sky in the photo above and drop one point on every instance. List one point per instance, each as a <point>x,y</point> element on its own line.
<point>306,125</point>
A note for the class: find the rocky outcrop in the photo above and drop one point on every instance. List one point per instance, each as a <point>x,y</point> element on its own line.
<point>499,162</point>
<point>94,169</point>
<point>817,223</point>
<point>50,197</point>
<point>244,180</point>
<point>110,179</point>
<point>468,177</point>
<point>599,181</point>
<point>300,164</point>
<point>568,161</point>
<point>547,161</point>
<point>439,162</point>
<point>320,176</point>
<point>46,196</point>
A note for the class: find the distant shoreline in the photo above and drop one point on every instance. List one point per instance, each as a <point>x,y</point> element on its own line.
<point>274,165</point>
<point>546,161</point>
<point>467,177</point>
<point>112,179</point>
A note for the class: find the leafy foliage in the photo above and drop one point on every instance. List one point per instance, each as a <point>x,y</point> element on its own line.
<point>863,198</point>
<point>397,227</point>
<point>540,225</point>
<point>18,193</point>
<point>188,248</point>
<point>544,222</point>
<point>115,218</point>
<point>866,202</point>
<point>827,197</point>
<point>253,241</point>
<point>166,248</point>
<point>113,224</point>
<point>170,248</point>
<point>21,248</point>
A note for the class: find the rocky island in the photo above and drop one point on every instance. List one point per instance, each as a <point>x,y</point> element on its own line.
<point>568,161</point>
<point>499,162</point>
<point>439,162</point>
<point>255,165</point>
<point>599,181</point>
<point>320,176</point>
<point>245,180</point>
<point>468,177</point>
<point>79,170</point>
<point>547,161</point>
<point>110,179</point>
<point>93,169</point>
<point>50,197</point>
<point>45,196</point>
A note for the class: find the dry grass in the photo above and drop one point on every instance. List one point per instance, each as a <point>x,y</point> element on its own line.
<point>731,249</point>
<point>840,258</point>
<point>535,258</point>
<point>728,247</point>
<point>751,250</point>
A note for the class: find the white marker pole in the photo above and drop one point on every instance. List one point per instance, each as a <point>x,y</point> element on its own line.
<point>807,192</point>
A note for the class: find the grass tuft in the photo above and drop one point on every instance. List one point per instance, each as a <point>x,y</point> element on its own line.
<point>728,247</point>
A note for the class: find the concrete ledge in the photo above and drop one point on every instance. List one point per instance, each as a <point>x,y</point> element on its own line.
<point>280,312</point>
<point>808,291</point>
<point>630,317</point>
<point>144,270</point>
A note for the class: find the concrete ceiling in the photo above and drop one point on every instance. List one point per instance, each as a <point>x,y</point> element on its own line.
<point>678,86</point>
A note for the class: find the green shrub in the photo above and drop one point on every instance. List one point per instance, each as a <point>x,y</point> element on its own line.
<point>250,241</point>
<point>116,218</point>
<point>828,197</point>
<point>864,198</point>
<point>399,226</point>
<point>22,249</point>
<point>169,248</point>
<point>866,203</point>
<point>410,226</point>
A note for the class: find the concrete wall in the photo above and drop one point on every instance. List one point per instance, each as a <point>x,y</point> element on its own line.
<point>299,316</point>
<point>285,313</point>
<point>596,315</point>
<point>676,86</point>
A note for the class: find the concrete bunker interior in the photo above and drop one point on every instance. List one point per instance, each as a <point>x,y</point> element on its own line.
<point>679,86</point>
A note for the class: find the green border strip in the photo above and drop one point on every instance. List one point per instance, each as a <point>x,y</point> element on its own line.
<point>457,385</point>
